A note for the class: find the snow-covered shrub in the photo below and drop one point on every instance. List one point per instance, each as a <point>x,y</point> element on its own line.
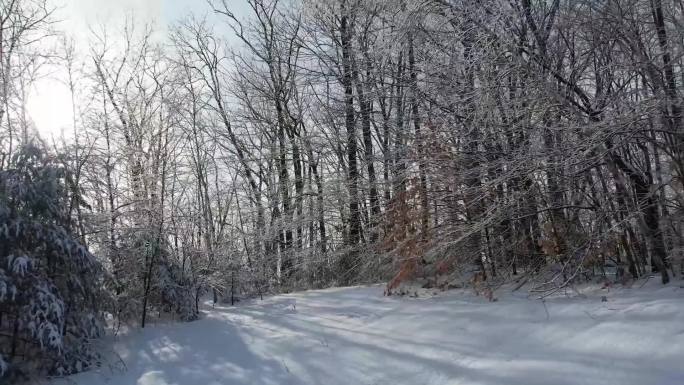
<point>50,284</point>
<point>148,275</point>
<point>177,292</point>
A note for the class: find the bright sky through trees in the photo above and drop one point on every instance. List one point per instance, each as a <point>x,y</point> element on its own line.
<point>49,99</point>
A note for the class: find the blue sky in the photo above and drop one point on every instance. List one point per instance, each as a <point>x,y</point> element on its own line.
<point>77,15</point>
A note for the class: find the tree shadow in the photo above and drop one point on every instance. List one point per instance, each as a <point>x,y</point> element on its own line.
<point>209,351</point>
<point>346,337</point>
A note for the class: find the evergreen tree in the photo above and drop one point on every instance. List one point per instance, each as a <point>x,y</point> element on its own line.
<point>51,292</point>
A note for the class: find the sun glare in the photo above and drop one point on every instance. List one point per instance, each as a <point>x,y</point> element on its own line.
<point>49,107</point>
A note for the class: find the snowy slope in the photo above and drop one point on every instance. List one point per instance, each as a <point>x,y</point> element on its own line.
<point>357,336</point>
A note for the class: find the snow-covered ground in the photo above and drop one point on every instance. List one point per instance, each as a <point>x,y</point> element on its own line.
<point>357,336</point>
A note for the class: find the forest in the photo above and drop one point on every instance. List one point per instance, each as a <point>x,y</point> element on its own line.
<point>310,144</point>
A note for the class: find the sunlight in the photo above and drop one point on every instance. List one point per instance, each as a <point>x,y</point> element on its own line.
<point>419,192</point>
<point>49,106</point>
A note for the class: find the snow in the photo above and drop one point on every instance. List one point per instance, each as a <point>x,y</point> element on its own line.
<point>19,264</point>
<point>356,336</point>
<point>3,365</point>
